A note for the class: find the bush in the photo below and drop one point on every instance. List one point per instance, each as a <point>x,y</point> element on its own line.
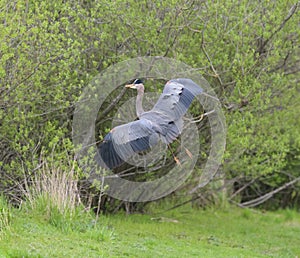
<point>247,51</point>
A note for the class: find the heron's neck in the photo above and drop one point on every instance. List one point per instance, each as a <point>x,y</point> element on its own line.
<point>139,103</point>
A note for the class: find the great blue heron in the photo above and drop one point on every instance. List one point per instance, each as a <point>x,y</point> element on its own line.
<point>163,122</point>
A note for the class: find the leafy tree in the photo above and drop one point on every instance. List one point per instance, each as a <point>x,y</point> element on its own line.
<point>248,51</point>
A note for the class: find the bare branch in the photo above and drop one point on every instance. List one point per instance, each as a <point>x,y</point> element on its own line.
<point>208,58</point>
<point>113,103</point>
<point>242,188</point>
<point>289,16</point>
<point>267,196</point>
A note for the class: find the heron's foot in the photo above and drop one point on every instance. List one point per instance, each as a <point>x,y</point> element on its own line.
<point>177,161</point>
<point>188,153</point>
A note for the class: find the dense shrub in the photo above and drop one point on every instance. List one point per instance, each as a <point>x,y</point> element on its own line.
<point>248,51</point>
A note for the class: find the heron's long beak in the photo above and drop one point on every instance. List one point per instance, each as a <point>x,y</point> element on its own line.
<point>131,86</point>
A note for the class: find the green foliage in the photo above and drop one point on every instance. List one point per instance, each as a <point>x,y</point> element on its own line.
<point>247,51</point>
<point>67,220</point>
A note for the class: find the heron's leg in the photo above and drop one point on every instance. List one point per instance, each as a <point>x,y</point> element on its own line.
<point>174,156</point>
<point>188,152</point>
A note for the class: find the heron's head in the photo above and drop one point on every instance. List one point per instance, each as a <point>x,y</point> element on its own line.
<point>136,84</point>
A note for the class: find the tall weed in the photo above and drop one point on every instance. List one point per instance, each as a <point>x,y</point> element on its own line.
<point>5,215</point>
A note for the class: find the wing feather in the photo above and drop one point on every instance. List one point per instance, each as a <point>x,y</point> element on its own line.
<point>123,141</point>
<point>163,121</point>
<point>177,97</point>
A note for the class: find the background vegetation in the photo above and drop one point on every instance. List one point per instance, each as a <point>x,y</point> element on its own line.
<point>247,50</point>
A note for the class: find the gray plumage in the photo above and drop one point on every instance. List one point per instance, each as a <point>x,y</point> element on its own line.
<point>163,122</point>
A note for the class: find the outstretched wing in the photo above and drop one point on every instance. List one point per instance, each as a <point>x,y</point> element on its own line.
<point>167,128</point>
<point>163,121</point>
<point>123,141</point>
<point>177,97</point>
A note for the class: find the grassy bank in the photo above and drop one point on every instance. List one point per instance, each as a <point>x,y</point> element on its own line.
<point>179,233</point>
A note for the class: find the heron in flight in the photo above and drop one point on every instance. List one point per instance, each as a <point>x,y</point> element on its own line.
<point>163,122</point>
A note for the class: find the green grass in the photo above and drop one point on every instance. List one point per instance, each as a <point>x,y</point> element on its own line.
<point>179,233</point>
